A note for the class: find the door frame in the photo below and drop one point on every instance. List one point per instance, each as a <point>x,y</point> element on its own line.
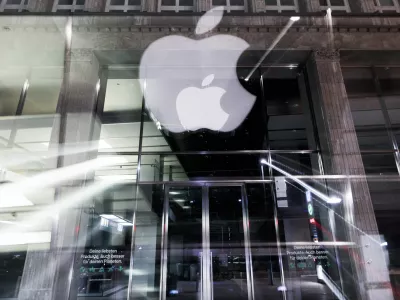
<point>206,284</point>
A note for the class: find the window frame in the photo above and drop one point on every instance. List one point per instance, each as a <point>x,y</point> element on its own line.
<point>381,8</point>
<point>175,8</point>
<point>345,7</point>
<point>20,7</point>
<point>279,7</point>
<point>123,8</point>
<point>72,7</point>
<point>229,8</point>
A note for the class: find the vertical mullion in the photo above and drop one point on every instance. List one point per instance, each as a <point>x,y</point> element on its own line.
<point>228,5</point>
<point>176,5</point>
<point>164,245</point>
<point>346,3</point>
<point>73,6</point>
<point>396,4</point>
<point>108,3</point>
<point>2,4</point>
<point>205,276</point>
<point>278,2</point>
<point>126,6</point>
<point>378,3</point>
<point>55,5</point>
<point>247,244</point>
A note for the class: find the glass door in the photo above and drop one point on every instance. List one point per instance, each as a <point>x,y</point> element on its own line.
<point>205,244</point>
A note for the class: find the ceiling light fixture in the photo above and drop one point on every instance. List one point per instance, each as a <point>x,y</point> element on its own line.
<point>117,219</point>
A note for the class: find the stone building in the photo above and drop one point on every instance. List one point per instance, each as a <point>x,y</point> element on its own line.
<point>298,200</point>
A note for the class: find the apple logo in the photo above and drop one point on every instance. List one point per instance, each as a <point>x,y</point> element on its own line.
<point>190,84</point>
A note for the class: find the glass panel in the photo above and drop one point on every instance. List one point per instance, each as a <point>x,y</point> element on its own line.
<point>168,2</point>
<point>147,255</point>
<point>263,241</point>
<point>227,243</point>
<point>386,2</point>
<point>184,242</point>
<point>366,109</point>
<point>237,2</point>
<point>337,2</point>
<point>182,167</point>
<point>117,2</point>
<point>123,94</point>
<point>106,235</point>
<point>65,2</point>
<point>219,2</point>
<point>271,2</point>
<point>287,2</point>
<point>379,163</point>
<point>43,91</point>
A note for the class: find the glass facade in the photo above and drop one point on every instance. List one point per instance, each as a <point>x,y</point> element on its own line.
<point>101,198</point>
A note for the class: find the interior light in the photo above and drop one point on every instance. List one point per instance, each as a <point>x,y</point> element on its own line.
<point>179,200</point>
<point>174,193</point>
<point>384,244</point>
<point>312,221</point>
<point>185,207</point>
<point>117,219</point>
<point>10,196</point>
<point>104,145</point>
<point>334,200</point>
<point>295,18</point>
<point>240,200</point>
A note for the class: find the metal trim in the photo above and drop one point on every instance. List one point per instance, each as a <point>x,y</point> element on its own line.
<point>206,276</point>
<point>238,152</point>
<point>276,223</point>
<point>247,245</point>
<point>164,246</point>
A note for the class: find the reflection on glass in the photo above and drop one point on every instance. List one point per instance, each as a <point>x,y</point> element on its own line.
<point>227,243</point>
<point>184,242</point>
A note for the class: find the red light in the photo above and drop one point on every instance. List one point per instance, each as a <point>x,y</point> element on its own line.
<point>312,221</point>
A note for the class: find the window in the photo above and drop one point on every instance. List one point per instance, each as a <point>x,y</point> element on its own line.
<point>231,5</point>
<point>13,5</point>
<point>387,5</point>
<point>281,5</point>
<point>123,5</point>
<point>68,5</point>
<point>338,5</point>
<point>176,5</point>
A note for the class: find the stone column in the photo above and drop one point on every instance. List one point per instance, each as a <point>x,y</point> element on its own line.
<point>49,274</point>
<point>341,156</point>
<point>95,5</point>
<point>78,128</point>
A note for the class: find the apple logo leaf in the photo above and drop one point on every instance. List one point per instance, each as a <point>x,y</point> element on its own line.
<point>209,20</point>
<point>207,80</point>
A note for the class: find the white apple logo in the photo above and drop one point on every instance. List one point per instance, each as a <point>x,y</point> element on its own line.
<point>172,68</point>
<point>191,104</point>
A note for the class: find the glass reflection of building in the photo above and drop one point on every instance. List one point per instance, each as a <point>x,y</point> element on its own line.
<point>88,173</point>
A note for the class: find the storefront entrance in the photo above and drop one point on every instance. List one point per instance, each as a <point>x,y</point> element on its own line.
<point>205,251</point>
